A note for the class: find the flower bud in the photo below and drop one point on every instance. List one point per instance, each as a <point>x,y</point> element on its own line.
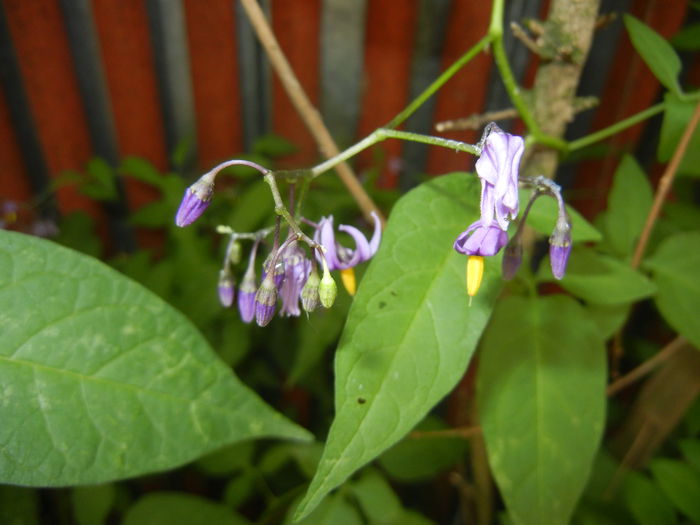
<point>196,200</point>
<point>226,290</point>
<point>327,289</point>
<point>246,296</point>
<point>309,294</point>
<point>560,246</point>
<point>512,257</point>
<point>265,301</point>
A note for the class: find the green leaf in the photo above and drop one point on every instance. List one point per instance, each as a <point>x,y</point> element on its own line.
<point>103,379</point>
<point>541,395</point>
<point>629,202</point>
<point>418,459</point>
<point>676,118</point>
<point>141,169</point>
<point>647,503</point>
<point>543,217</point>
<point>675,268</point>
<point>100,181</point>
<point>680,483</point>
<point>608,319</point>
<point>656,52</point>
<point>410,333</point>
<point>601,279</point>
<point>168,508</point>
<point>377,499</point>
<point>92,503</point>
<point>335,510</point>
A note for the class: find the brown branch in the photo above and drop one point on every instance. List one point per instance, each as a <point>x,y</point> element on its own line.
<point>664,186</point>
<point>309,114</point>
<point>461,432</point>
<point>476,121</point>
<point>647,366</point>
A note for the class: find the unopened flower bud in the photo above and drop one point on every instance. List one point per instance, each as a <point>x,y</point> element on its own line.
<point>265,301</point>
<point>277,272</point>
<point>327,289</point>
<point>246,296</point>
<point>512,257</point>
<point>226,290</point>
<point>234,252</point>
<point>560,246</point>
<point>309,294</point>
<point>196,200</point>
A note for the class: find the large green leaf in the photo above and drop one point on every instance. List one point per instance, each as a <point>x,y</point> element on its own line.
<point>601,279</point>
<point>681,483</point>
<point>541,396</point>
<point>410,333</point>
<point>102,380</point>
<point>629,203</point>
<point>658,54</point>
<point>675,268</point>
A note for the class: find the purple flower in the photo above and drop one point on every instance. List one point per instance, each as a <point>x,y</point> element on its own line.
<point>296,271</point>
<point>560,246</point>
<point>196,200</point>
<point>497,167</point>
<point>481,240</point>
<point>339,257</point>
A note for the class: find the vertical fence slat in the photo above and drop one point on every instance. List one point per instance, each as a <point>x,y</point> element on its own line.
<point>211,34</point>
<point>426,66</point>
<point>465,93</point>
<point>39,37</point>
<point>297,27</point>
<point>630,87</point>
<point>169,40</point>
<point>127,58</point>
<point>14,183</point>
<point>342,38</point>
<point>389,42</point>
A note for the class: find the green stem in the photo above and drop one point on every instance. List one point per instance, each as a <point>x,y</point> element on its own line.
<point>383,133</point>
<point>439,82</point>
<point>617,127</point>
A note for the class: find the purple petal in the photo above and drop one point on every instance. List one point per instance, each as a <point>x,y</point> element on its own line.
<point>246,305</point>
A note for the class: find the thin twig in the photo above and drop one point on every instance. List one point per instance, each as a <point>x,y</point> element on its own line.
<point>462,432</point>
<point>476,121</point>
<point>520,34</point>
<point>664,187</point>
<point>647,366</point>
<point>306,110</point>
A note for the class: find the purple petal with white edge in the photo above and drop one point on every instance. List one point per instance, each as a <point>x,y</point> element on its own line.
<point>480,240</point>
<point>487,203</point>
<point>327,239</point>
<point>361,252</point>
<point>376,236</point>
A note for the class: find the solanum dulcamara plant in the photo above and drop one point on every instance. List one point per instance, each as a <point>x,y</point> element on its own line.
<point>289,275</point>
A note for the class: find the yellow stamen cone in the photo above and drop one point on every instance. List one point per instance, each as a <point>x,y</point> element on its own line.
<point>475,271</point>
<point>348,278</point>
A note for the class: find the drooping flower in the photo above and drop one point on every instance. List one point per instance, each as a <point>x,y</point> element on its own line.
<point>248,289</point>
<point>339,257</point>
<point>196,199</point>
<point>480,240</point>
<point>498,168</point>
<point>265,301</point>
<point>296,271</point>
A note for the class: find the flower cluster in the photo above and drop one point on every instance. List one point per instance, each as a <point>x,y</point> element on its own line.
<point>498,170</point>
<point>289,277</point>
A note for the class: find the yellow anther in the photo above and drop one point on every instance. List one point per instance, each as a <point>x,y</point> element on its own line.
<point>348,278</point>
<point>475,271</point>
